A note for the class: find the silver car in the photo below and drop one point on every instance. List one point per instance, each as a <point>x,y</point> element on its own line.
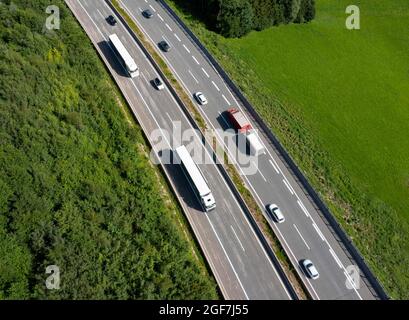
<point>310,269</point>
<point>276,213</point>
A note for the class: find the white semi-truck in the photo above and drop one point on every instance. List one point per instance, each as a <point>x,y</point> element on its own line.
<point>196,178</point>
<point>123,56</point>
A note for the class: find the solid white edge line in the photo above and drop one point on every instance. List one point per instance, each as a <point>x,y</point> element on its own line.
<point>288,187</point>
<point>336,258</point>
<point>318,231</point>
<point>289,184</point>
<point>351,281</point>
<point>274,166</point>
<point>303,208</point>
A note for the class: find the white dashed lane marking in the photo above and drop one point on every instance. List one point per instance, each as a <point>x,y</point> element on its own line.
<point>215,86</point>
<point>204,71</point>
<point>225,99</point>
<point>186,49</point>
<point>194,58</point>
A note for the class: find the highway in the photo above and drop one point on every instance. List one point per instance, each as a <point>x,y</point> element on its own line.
<point>237,258</point>
<point>305,233</point>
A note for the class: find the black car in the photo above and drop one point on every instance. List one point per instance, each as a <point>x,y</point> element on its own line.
<point>147,13</point>
<point>164,46</point>
<point>158,84</point>
<point>111,20</point>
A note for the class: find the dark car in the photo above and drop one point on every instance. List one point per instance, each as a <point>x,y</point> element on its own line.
<point>158,84</point>
<point>147,13</point>
<point>164,46</point>
<point>111,20</point>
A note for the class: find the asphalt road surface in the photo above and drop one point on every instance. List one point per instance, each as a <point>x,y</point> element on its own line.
<point>304,234</point>
<point>239,262</point>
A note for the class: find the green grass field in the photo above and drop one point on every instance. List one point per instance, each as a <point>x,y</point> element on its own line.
<point>339,101</point>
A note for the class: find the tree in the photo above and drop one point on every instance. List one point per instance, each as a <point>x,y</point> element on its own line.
<point>291,9</point>
<point>235,18</point>
<point>309,10</point>
<point>263,13</point>
<point>306,12</point>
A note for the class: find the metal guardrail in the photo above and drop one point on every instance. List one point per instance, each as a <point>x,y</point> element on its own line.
<point>219,165</point>
<point>309,191</point>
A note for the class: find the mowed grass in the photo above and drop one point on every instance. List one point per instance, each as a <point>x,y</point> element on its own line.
<point>339,102</point>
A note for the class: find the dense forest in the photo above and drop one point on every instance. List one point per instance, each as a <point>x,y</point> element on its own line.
<point>77,189</point>
<point>235,18</point>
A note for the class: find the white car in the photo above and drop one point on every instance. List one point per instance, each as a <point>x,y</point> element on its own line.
<point>200,98</point>
<point>310,269</point>
<point>276,213</point>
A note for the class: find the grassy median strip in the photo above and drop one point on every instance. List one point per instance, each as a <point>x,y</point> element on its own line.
<point>235,176</point>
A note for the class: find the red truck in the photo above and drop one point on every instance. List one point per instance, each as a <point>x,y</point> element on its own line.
<point>238,120</point>
<point>241,124</point>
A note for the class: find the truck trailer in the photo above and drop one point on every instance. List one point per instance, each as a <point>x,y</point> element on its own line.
<point>244,128</point>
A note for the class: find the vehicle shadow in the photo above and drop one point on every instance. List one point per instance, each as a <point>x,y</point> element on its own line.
<point>222,119</point>
<point>180,181</point>
<point>112,59</point>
